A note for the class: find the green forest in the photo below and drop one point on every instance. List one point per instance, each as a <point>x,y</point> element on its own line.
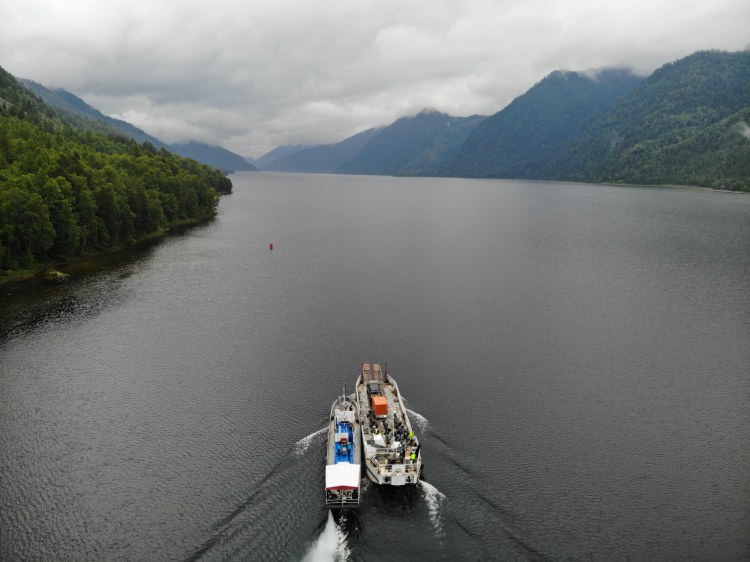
<point>67,192</point>
<point>71,186</point>
<point>685,124</point>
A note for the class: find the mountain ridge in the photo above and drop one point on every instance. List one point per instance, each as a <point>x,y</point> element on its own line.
<point>685,112</point>
<point>67,191</point>
<point>92,119</point>
<point>326,158</point>
<point>392,150</point>
<point>682,124</point>
<point>525,137</point>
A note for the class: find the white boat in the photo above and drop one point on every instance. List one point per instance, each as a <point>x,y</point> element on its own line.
<point>343,464</point>
<point>391,448</point>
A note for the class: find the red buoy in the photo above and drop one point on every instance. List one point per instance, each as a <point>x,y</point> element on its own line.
<point>270,246</point>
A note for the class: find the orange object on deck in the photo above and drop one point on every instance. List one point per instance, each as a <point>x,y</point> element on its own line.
<point>380,405</point>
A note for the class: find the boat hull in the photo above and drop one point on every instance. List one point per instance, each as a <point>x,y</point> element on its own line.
<point>343,456</point>
<point>391,448</point>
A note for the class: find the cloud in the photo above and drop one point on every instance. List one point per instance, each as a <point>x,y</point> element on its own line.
<point>250,75</point>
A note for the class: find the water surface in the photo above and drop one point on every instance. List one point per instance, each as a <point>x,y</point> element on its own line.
<point>575,357</point>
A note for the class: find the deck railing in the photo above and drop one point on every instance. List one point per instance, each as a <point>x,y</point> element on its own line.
<point>409,467</point>
<point>341,502</point>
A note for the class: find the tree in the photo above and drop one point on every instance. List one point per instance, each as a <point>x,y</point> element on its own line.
<point>27,228</point>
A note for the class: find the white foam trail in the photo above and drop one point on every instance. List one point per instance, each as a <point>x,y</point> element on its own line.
<point>303,444</point>
<point>421,421</point>
<point>330,546</point>
<point>434,499</point>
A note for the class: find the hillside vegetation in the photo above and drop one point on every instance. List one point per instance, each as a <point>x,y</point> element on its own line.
<point>686,124</point>
<point>410,145</point>
<point>82,116</point>
<point>65,192</point>
<point>529,136</point>
<point>326,158</point>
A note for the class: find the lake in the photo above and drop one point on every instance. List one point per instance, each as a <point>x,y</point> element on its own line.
<point>575,358</point>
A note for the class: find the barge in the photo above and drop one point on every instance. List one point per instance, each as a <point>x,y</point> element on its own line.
<point>390,446</point>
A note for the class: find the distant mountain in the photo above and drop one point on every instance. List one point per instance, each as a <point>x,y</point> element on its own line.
<point>86,117</point>
<point>215,156</point>
<point>325,158</point>
<point>416,145</point>
<point>393,149</point>
<point>439,147</point>
<point>528,137</point>
<point>66,191</point>
<point>685,124</point>
<point>73,106</point>
<point>280,152</point>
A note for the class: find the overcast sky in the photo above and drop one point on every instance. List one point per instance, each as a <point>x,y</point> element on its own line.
<point>253,74</point>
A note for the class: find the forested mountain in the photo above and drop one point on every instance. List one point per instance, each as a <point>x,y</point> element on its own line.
<point>686,124</point>
<point>215,156</point>
<point>83,116</point>
<point>72,182</point>
<point>325,158</point>
<point>440,147</point>
<point>280,152</point>
<point>86,117</point>
<point>393,149</point>
<point>527,138</point>
<point>65,192</point>
<point>413,146</point>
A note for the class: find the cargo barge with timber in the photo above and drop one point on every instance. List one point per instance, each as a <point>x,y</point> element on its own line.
<point>391,449</point>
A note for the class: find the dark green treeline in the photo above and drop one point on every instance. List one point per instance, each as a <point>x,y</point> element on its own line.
<point>66,193</point>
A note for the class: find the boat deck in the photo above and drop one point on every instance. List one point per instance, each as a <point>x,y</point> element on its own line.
<point>391,447</point>
<point>344,452</point>
<point>343,468</point>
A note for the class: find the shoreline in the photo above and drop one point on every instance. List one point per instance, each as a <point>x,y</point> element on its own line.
<point>35,275</point>
<point>613,184</point>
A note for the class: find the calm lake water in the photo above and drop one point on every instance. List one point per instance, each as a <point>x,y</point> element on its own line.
<point>576,359</point>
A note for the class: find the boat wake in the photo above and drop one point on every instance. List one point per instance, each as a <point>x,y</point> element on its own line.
<point>277,513</point>
<point>487,509</point>
<point>301,447</point>
<point>434,499</point>
<point>331,544</point>
<point>421,421</point>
